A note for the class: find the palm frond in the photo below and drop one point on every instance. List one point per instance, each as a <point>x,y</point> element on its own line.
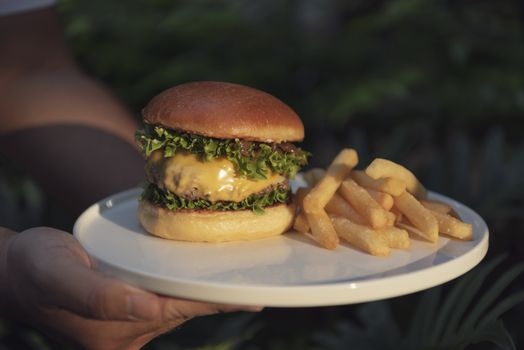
<point>491,295</point>
<point>501,308</point>
<point>495,333</point>
<point>479,276</point>
<point>463,329</point>
<point>425,312</point>
<point>373,318</point>
<point>448,307</point>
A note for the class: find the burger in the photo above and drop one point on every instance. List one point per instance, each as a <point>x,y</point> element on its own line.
<point>218,160</point>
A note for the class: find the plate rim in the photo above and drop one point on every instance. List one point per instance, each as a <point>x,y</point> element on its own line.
<point>156,283</point>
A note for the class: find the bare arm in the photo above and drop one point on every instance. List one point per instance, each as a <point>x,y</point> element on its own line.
<point>59,125</point>
<point>76,140</point>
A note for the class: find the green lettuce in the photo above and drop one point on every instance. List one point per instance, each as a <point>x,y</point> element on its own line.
<point>255,202</point>
<point>251,159</point>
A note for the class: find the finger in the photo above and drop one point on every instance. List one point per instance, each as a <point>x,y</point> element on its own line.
<point>70,283</point>
<point>173,309</point>
<point>63,271</point>
<point>94,296</point>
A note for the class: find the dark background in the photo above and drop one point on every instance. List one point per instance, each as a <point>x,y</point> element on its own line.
<point>435,85</point>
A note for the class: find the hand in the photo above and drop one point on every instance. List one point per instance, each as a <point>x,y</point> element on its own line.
<point>50,283</point>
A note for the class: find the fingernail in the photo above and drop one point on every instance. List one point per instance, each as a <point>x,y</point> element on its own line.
<point>141,307</point>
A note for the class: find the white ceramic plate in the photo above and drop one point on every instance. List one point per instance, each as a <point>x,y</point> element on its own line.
<point>284,271</point>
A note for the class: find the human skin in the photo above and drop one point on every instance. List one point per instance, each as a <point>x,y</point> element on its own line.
<point>75,139</point>
<point>48,280</point>
<point>57,124</point>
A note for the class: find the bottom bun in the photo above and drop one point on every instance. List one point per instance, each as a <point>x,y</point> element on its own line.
<point>215,226</point>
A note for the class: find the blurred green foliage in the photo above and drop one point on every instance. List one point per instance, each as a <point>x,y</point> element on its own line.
<point>436,85</point>
<point>332,60</point>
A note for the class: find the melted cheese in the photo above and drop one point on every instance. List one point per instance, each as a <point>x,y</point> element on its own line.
<point>214,180</point>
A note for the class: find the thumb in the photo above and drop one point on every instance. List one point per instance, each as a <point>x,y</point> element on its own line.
<point>72,285</point>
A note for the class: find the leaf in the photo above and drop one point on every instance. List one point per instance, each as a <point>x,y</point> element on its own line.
<point>448,306</point>
<point>494,333</point>
<point>501,308</point>
<point>424,314</point>
<point>461,332</point>
<point>490,296</point>
<point>480,275</point>
<point>255,202</point>
<point>251,159</point>
<point>375,318</point>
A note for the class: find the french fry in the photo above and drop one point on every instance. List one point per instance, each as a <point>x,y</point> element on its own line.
<point>340,207</point>
<point>397,213</point>
<point>391,219</point>
<point>298,198</point>
<point>396,237</point>
<point>412,230</point>
<point>384,199</point>
<point>453,227</point>
<point>454,214</point>
<point>374,210</point>
<point>436,206</point>
<point>301,224</point>
<point>363,203</point>
<point>388,184</point>
<point>362,237</point>
<point>322,229</point>
<point>419,216</point>
<point>313,176</point>
<point>382,168</point>
<point>322,192</point>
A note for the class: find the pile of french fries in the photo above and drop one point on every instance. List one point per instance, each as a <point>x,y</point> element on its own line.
<point>373,210</point>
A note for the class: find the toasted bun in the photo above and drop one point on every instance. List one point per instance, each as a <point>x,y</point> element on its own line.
<point>225,110</point>
<point>215,226</point>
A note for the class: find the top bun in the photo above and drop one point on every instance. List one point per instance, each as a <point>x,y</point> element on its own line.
<point>226,111</point>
